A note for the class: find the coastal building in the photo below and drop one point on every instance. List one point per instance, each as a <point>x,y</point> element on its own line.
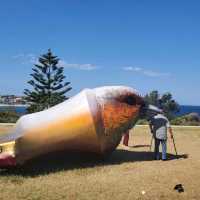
<point>12,99</point>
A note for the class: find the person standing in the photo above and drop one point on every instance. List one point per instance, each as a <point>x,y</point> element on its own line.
<point>159,126</point>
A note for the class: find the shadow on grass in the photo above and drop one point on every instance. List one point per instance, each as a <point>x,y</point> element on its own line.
<point>139,146</point>
<point>64,161</point>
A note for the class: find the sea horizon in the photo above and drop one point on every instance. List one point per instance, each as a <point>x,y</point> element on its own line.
<point>21,109</point>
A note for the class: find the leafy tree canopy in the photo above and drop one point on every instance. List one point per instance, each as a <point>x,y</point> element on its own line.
<point>164,102</point>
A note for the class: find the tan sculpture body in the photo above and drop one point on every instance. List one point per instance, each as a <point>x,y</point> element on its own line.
<point>92,121</point>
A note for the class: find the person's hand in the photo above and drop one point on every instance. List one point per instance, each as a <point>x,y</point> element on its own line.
<point>170,132</point>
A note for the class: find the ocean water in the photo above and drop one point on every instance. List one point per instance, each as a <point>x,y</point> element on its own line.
<point>21,110</point>
<point>184,109</point>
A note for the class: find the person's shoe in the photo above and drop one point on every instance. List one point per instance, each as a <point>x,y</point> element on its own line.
<point>164,159</point>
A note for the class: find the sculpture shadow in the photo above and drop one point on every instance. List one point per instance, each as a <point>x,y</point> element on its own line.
<point>52,163</point>
<point>140,146</point>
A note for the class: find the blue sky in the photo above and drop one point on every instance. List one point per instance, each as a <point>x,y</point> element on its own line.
<point>147,45</point>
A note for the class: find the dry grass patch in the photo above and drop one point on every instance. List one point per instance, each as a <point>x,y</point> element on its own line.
<point>124,175</point>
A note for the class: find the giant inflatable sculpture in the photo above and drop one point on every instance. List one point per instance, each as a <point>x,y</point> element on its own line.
<point>92,121</point>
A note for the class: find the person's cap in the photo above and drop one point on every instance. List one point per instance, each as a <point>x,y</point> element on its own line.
<point>153,110</point>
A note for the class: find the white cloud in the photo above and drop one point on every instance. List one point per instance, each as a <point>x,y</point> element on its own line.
<point>26,58</point>
<point>145,72</point>
<point>21,55</point>
<point>33,59</point>
<point>154,74</point>
<point>87,67</point>
<point>130,68</point>
<point>137,69</point>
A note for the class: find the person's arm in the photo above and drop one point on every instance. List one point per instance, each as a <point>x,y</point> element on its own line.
<point>169,129</point>
<point>170,132</point>
<point>151,127</point>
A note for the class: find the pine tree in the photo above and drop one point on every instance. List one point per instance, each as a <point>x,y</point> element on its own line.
<point>48,84</point>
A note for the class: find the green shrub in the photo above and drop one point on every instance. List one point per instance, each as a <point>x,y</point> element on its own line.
<point>142,122</point>
<point>8,117</point>
<point>191,119</point>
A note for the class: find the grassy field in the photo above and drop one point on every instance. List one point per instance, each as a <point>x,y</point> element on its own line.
<point>124,175</point>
